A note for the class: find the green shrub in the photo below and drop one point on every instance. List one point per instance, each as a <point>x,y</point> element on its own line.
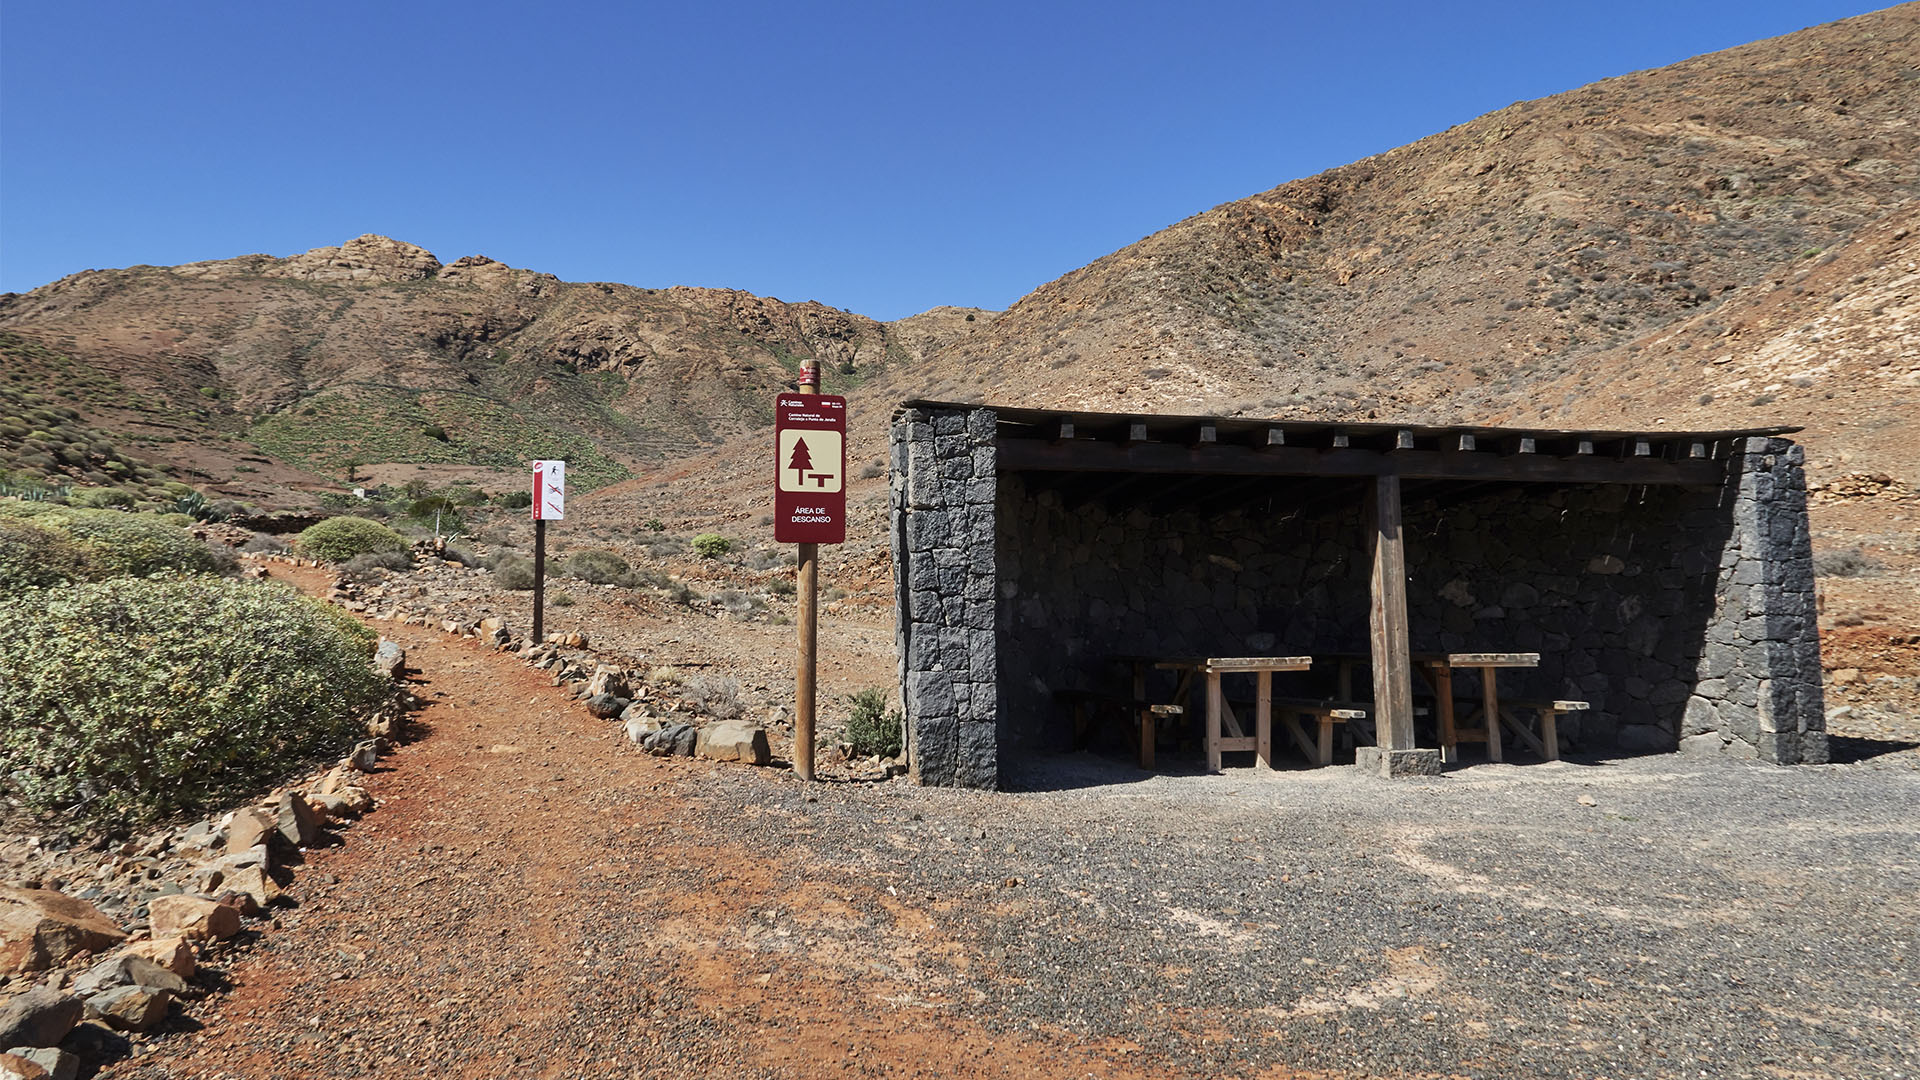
<point>132,700</point>
<point>512,572</point>
<point>711,545</point>
<point>338,539</point>
<point>514,500</point>
<point>595,565</point>
<point>119,543</point>
<point>653,524</point>
<point>561,599</point>
<point>873,728</point>
<point>103,498</point>
<point>33,556</point>
<point>1850,562</point>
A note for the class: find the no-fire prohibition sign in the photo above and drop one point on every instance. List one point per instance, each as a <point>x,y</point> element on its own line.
<point>810,469</point>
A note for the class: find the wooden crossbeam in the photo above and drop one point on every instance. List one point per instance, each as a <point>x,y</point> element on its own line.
<point>1036,455</point>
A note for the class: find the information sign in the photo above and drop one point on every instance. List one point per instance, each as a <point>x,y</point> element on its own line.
<point>549,490</point>
<point>810,469</point>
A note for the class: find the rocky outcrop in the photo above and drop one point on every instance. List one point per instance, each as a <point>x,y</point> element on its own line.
<point>364,259</point>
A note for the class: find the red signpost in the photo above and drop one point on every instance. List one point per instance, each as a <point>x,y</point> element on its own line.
<point>810,469</point>
<point>809,509</point>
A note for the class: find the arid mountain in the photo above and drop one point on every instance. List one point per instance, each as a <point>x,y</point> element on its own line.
<point>1725,242</point>
<point>376,352</point>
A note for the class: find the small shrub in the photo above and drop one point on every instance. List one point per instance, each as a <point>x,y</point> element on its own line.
<point>264,543</point>
<point>662,546</point>
<point>596,566</point>
<point>714,695</point>
<point>103,498</point>
<point>460,555</point>
<point>872,728</point>
<point>33,556</point>
<point>711,545</point>
<point>130,544</point>
<point>868,472</point>
<point>512,572</point>
<point>1852,562</point>
<point>132,700</point>
<point>338,539</point>
<point>363,565</point>
<point>656,525</point>
<point>514,500</point>
<point>782,586</point>
<point>561,599</point>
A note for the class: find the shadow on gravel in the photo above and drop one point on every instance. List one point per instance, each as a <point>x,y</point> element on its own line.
<point>1849,750</point>
<point>1068,772</point>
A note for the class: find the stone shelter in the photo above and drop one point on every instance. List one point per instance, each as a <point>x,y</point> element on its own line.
<point>1664,579</point>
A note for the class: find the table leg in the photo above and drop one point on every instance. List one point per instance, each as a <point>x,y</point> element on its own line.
<point>1441,676</point>
<point>1213,721</point>
<point>1147,725</point>
<point>1263,718</point>
<point>1493,714</point>
<point>1550,733</point>
<point>1326,740</point>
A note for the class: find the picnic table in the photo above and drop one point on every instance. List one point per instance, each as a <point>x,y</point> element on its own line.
<point>1484,723</point>
<point>1224,730</point>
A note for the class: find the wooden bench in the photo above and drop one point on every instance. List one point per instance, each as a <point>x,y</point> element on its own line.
<point>1326,712</point>
<point>1547,743</point>
<point>1146,714</point>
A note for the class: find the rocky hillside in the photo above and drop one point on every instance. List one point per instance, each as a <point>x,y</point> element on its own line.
<point>1724,242</point>
<point>377,352</point>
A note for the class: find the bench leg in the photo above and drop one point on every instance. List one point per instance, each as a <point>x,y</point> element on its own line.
<point>1147,733</point>
<point>1263,720</point>
<point>1449,741</point>
<point>1550,733</point>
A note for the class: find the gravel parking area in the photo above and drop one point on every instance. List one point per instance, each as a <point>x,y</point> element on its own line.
<point>1651,917</point>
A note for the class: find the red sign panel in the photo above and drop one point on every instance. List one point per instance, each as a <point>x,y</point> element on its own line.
<point>810,469</point>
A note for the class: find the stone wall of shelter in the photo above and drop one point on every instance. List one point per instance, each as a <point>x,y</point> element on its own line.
<point>1684,615</point>
<point>942,490</point>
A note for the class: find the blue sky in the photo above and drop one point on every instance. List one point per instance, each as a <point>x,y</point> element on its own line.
<point>881,157</point>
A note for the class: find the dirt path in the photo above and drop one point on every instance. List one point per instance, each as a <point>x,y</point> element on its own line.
<point>532,900</point>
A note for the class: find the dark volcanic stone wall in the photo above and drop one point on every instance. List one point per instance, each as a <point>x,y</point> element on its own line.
<point>1685,615</point>
<point>942,488</point>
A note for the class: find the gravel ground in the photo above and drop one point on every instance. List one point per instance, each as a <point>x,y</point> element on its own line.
<point>536,898</point>
<point>1699,918</point>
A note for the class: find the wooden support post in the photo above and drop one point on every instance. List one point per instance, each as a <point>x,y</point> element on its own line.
<point>1214,706</point>
<point>539,580</point>
<point>1550,732</point>
<point>1392,652</point>
<point>808,620</point>
<point>1443,687</point>
<point>1149,727</point>
<point>1493,714</point>
<point>1263,719</point>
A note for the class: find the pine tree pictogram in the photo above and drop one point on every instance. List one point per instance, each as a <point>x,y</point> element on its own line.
<point>802,461</point>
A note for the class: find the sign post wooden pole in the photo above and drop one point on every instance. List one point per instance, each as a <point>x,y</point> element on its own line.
<point>807,622</point>
<point>549,504</point>
<point>539,580</point>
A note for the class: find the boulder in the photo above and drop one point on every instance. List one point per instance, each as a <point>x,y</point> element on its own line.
<point>127,969</point>
<point>250,828</point>
<point>365,756</point>
<point>606,706</point>
<point>734,740</point>
<point>336,780</point>
<point>56,1063</point>
<point>196,918</point>
<point>673,740</point>
<point>296,820</point>
<point>255,884</point>
<point>39,1017</point>
<point>40,928</point>
<point>332,807</point>
<point>357,799</point>
<point>640,725</point>
<point>130,1008</point>
<point>174,954</point>
<point>390,659</point>
<point>15,1067</point>
<point>609,680</point>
